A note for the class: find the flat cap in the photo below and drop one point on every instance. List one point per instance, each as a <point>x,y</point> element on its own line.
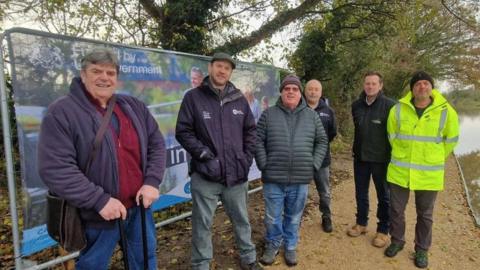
<point>220,56</point>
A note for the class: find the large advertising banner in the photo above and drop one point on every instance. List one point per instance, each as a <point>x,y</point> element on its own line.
<point>43,66</point>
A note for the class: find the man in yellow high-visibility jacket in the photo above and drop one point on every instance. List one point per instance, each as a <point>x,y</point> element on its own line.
<point>423,130</point>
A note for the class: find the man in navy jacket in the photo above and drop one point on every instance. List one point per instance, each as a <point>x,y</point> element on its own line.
<point>313,95</point>
<point>216,126</point>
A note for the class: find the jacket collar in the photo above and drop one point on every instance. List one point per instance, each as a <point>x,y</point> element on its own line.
<point>363,97</point>
<point>321,104</point>
<point>80,95</point>
<point>438,99</point>
<point>231,92</point>
<point>301,105</point>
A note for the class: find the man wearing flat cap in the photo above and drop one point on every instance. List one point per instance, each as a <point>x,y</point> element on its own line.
<point>423,130</point>
<point>216,127</point>
<point>291,146</point>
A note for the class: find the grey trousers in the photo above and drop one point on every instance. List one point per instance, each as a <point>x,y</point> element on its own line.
<point>205,196</point>
<point>322,183</point>
<point>424,203</point>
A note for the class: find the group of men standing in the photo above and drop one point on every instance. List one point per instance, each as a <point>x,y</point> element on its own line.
<point>405,146</point>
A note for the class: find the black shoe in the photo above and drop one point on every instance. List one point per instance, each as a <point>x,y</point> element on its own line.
<point>327,224</point>
<point>291,257</point>
<point>251,266</point>
<point>269,256</point>
<point>393,249</point>
<point>421,259</point>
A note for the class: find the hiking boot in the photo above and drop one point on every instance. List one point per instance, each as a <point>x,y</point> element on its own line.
<point>357,230</point>
<point>327,224</point>
<point>421,259</point>
<point>269,255</point>
<point>290,257</point>
<point>380,240</point>
<point>393,249</point>
<point>251,266</point>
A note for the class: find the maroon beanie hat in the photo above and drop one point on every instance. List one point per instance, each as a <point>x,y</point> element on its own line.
<point>291,79</point>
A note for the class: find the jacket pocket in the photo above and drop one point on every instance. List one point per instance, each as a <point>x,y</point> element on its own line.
<point>434,153</point>
<point>243,166</point>
<point>210,169</point>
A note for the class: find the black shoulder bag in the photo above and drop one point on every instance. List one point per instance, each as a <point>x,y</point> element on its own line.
<point>64,224</point>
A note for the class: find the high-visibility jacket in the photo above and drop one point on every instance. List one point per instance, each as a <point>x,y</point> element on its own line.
<point>420,146</point>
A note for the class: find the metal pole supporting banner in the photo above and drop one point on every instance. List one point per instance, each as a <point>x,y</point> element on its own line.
<point>189,213</point>
<point>7,142</point>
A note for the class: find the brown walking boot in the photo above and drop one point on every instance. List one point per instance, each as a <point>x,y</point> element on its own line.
<point>356,230</point>
<point>380,240</point>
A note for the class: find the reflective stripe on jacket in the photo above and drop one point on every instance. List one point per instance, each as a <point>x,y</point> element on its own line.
<point>420,146</point>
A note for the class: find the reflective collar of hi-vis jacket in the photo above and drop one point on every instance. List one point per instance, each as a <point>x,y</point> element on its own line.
<point>421,145</point>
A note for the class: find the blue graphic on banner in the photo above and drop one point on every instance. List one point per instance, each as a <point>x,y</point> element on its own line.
<point>167,200</point>
<point>36,239</point>
<point>135,66</point>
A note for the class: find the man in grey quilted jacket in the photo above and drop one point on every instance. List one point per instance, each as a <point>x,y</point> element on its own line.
<point>291,145</point>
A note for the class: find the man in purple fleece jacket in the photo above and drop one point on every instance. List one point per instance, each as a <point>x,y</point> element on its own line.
<point>129,163</point>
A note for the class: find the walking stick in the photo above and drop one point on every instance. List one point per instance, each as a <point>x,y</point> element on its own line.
<point>123,244</point>
<point>144,235</point>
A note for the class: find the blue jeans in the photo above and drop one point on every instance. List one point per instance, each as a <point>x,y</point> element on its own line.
<point>205,196</point>
<point>322,183</point>
<point>284,206</point>
<point>378,171</point>
<point>102,242</point>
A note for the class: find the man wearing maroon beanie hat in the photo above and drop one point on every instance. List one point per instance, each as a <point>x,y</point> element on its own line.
<point>291,145</point>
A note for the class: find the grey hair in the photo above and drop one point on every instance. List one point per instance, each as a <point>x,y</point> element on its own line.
<point>100,56</point>
<point>196,70</point>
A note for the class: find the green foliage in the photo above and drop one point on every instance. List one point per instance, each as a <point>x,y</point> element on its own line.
<point>14,141</point>
<point>393,37</point>
<point>185,26</point>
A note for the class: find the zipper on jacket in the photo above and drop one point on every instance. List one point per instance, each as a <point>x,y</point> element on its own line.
<point>222,171</point>
<point>115,184</point>
<point>292,128</point>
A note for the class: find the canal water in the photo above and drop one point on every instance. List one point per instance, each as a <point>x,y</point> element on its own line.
<point>468,156</point>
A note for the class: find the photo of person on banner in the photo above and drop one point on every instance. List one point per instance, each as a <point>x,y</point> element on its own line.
<point>128,165</point>
<point>196,78</point>
<point>253,103</point>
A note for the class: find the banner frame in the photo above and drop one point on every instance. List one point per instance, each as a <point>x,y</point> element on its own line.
<point>23,30</point>
<point>7,142</point>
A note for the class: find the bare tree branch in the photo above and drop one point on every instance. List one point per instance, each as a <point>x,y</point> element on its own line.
<point>238,44</point>
<point>472,27</point>
<point>260,6</point>
<point>154,10</point>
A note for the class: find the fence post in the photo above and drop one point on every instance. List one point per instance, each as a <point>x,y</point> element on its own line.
<point>9,158</point>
